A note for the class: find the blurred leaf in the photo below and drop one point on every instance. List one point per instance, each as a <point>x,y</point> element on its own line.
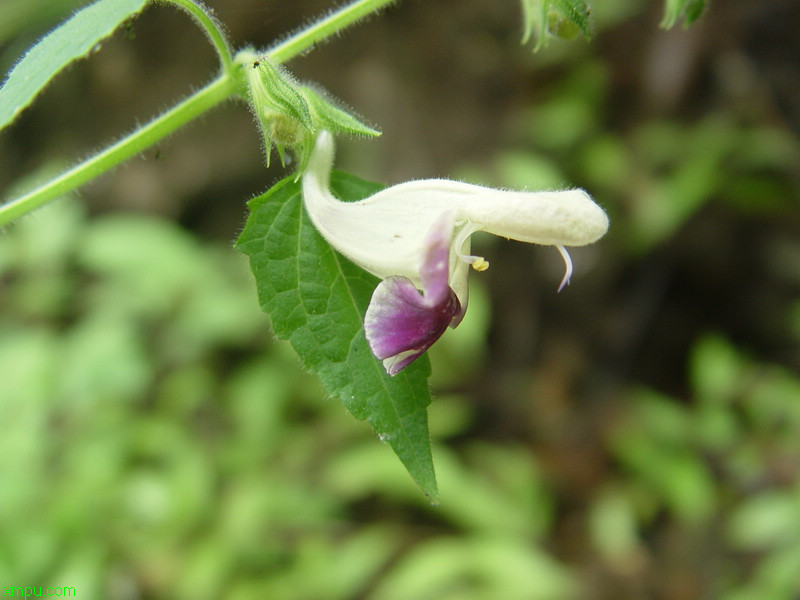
<point>258,394</point>
<point>717,370</point>
<point>767,520</point>
<point>46,237</point>
<point>716,426</point>
<point>39,254</point>
<point>81,571</point>
<point>688,167</point>
<point>153,264</point>
<point>656,445</point>
<point>562,18</point>
<point>562,121</point>
<point>528,170</point>
<point>450,415</point>
<point>489,568</point>
<point>73,39</point>
<point>498,491</point>
<point>776,575</point>
<point>221,306</point>
<point>363,470</point>
<point>103,359</point>
<point>613,526</point>
<point>688,10</point>
<point>317,299</point>
<point>207,568</point>
<point>28,359</point>
<point>325,569</point>
<point>606,163</point>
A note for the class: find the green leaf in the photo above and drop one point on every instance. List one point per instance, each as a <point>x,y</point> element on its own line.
<point>316,299</point>
<point>73,39</point>
<point>688,10</point>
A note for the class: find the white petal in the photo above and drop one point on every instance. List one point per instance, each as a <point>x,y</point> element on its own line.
<point>385,233</point>
<point>552,218</point>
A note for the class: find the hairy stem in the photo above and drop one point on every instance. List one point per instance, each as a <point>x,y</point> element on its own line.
<point>324,28</point>
<point>212,29</point>
<point>228,84</point>
<point>195,105</point>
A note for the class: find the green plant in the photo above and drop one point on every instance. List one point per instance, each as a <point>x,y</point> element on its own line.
<point>291,115</point>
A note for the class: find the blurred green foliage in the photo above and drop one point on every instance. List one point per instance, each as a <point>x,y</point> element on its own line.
<point>724,464</point>
<point>157,443</point>
<point>561,18</point>
<point>687,11</point>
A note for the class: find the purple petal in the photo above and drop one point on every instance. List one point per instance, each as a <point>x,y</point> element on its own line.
<point>400,323</point>
<point>434,269</point>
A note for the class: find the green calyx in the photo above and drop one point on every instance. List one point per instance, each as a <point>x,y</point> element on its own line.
<point>291,114</point>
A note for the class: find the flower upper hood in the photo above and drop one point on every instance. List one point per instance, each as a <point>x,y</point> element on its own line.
<point>416,235</point>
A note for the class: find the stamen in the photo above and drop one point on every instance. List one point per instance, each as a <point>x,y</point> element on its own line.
<point>470,259</point>
<point>567,265</point>
<point>461,239</point>
<point>480,264</point>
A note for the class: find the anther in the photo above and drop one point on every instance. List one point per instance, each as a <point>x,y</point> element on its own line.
<point>479,264</point>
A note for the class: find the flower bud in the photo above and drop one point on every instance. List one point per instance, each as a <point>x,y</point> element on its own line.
<point>291,114</point>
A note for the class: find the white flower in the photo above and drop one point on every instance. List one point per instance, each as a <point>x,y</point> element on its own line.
<point>416,236</point>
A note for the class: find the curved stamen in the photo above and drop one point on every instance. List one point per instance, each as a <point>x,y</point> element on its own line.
<point>567,265</point>
<point>462,238</point>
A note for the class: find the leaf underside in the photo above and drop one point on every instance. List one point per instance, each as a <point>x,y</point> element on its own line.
<point>316,299</point>
<point>73,39</point>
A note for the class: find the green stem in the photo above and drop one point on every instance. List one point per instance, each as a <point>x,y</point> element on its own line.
<point>195,105</point>
<point>212,29</point>
<point>324,28</point>
<point>226,85</point>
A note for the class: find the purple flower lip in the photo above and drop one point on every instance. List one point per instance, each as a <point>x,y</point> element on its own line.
<point>401,323</point>
<point>416,236</point>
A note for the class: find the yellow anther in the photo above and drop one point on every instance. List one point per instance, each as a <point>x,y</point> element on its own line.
<point>479,264</point>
